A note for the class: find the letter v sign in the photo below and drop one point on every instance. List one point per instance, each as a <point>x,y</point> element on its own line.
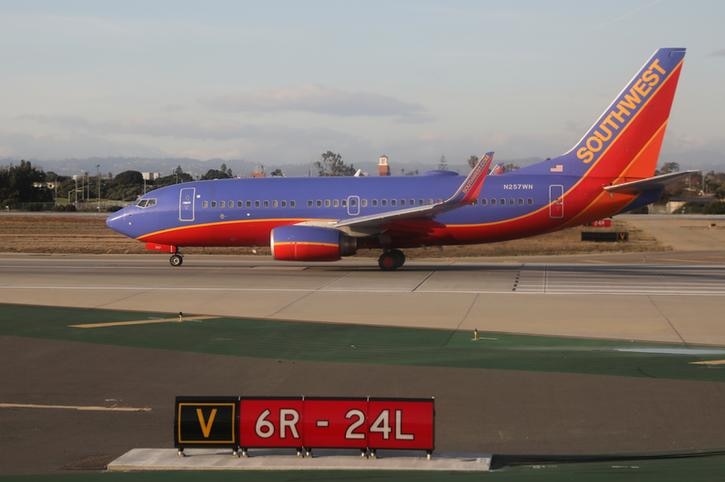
<point>206,425</point>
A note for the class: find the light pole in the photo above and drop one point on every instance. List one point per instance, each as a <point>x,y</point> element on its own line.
<point>98,179</point>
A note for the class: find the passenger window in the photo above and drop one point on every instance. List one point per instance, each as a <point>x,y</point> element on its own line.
<point>266,204</point>
<point>256,204</point>
<point>222,204</point>
<point>512,201</point>
<point>493,201</point>
<point>430,201</point>
<point>364,203</point>
<point>521,201</point>
<point>284,204</point>
<point>292,204</point>
<point>213,204</point>
<point>530,201</point>
<point>336,203</point>
<point>240,204</point>
<point>420,202</point>
<point>502,201</point>
<point>275,203</point>
<point>375,203</point>
<point>353,202</point>
<point>231,204</point>
<point>383,202</point>
<point>393,202</point>
<point>319,203</point>
<point>249,204</point>
<point>309,203</point>
<point>344,203</point>
<point>411,202</point>
<point>484,201</point>
<point>402,202</point>
<point>205,204</point>
<point>327,203</point>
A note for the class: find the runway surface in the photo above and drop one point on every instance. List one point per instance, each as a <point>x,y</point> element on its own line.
<point>540,396</point>
<point>672,297</point>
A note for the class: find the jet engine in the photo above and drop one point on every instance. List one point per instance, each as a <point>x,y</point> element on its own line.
<point>310,243</point>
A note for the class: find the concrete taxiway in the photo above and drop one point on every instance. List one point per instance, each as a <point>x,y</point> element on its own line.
<point>669,297</point>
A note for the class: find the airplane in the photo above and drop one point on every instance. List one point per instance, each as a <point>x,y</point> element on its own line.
<point>608,171</point>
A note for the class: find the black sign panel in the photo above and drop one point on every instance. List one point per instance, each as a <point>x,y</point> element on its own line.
<point>206,422</point>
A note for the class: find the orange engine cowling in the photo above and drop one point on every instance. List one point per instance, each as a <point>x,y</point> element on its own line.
<point>310,243</point>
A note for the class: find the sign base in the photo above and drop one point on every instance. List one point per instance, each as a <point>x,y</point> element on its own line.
<point>216,459</point>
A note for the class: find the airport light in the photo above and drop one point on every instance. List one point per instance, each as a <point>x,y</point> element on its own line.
<point>98,179</point>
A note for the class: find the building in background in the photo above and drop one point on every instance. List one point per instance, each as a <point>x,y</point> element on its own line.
<point>383,167</point>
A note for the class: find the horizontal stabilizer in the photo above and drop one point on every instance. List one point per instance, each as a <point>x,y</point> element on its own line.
<point>649,184</point>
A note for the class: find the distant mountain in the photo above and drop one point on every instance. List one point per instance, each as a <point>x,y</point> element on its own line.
<point>240,167</point>
<point>244,168</point>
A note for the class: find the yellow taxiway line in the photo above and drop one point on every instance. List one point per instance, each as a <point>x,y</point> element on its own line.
<point>84,408</point>
<point>708,362</point>
<point>143,322</point>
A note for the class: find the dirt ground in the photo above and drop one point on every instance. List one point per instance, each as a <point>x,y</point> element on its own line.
<point>84,233</point>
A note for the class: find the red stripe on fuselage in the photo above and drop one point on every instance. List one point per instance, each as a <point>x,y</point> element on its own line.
<point>227,233</point>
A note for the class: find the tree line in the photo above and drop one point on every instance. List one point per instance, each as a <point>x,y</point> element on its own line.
<point>24,183</point>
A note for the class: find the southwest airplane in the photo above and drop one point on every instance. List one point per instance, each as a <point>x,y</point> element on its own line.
<point>610,170</point>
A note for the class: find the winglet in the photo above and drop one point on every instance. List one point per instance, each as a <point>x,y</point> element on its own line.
<point>471,186</point>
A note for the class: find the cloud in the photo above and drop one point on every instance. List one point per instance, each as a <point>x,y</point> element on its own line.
<point>718,53</point>
<point>73,136</point>
<point>317,99</point>
<point>179,129</point>
<point>46,146</point>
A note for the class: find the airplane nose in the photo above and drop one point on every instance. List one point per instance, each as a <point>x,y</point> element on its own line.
<point>118,221</point>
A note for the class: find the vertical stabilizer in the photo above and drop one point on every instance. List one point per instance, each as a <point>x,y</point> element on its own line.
<point>625,141</point>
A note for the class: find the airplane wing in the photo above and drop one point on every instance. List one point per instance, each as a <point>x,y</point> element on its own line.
<point>656,182</point>
<point>465,194</point>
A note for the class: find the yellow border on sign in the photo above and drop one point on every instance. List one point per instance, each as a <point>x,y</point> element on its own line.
<point>204,404</point>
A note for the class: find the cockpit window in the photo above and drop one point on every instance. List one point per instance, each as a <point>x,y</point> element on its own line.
<point>146,203</point>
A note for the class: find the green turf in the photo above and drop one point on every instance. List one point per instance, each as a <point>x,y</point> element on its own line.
<point>700,469</point>
<point>357,344</point>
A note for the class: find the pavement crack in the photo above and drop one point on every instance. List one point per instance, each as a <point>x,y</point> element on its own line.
<point>463,318</point>
<point>427,277</point>
<point>669,322</point>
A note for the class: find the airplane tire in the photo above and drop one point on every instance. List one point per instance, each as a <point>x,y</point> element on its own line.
<point>399,257</point>
<point>176,260</point>
<point>387,262</point>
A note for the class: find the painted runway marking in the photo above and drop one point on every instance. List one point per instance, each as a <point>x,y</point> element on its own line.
<point>82,408</point>
<point>142,322</point>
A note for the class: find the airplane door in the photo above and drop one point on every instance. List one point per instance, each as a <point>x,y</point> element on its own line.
<point>353,205</point>
<point>186,203</point>
<point>556,201</point>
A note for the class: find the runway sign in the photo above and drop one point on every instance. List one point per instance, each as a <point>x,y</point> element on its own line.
<point>206,422</point>
<point>336,423</point>
<point>270,422</point>
<point>324,422</point>
<point>401,424</point>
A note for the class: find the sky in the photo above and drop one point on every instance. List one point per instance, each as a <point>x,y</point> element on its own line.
<point>279,82</point>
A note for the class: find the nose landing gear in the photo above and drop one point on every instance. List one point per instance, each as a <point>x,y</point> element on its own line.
<point>391,259</point>
<point>176,259</point>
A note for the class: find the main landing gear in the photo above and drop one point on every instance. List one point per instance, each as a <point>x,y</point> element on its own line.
<point>391,259</point>
<point>176,259</point>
